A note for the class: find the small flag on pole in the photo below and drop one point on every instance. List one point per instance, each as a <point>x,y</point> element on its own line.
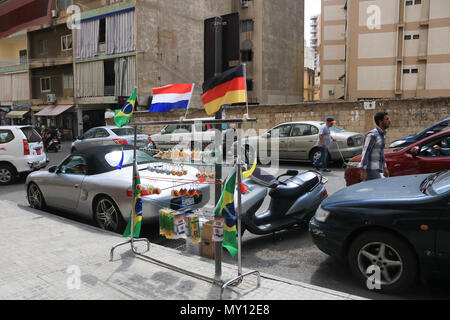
<point>172,96</point>
<point>123,116</point>
<point>138,208</point>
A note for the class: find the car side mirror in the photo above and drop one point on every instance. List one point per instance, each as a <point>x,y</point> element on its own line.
<point>52,169</point>
<point>266,135</point>
<point>415,151</point>
<point>80,137</point>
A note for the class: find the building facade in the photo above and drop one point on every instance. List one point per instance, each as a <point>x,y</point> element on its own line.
<point>385,49</point>
<point>79,62</point>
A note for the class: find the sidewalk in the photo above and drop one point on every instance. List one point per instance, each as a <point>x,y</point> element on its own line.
<point>43,256</point>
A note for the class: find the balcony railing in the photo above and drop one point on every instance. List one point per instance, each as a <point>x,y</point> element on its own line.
<point>109,91</point>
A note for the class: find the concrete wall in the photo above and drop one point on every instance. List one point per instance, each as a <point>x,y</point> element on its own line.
<point>408,115</point>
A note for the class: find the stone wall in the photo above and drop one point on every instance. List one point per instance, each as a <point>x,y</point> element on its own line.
<point>408,116</point>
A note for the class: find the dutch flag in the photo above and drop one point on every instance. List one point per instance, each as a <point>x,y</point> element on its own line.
<point>172,96</point>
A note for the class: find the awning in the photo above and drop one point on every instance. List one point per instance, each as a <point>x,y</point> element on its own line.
<point>53,110</point>
<point>18,114</point>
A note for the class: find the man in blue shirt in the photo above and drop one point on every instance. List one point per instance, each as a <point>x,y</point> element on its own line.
<point>323,142</point>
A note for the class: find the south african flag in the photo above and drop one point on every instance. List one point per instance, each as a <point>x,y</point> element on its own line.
<point>123,116</point>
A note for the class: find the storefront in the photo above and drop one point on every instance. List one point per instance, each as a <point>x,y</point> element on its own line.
<point>19,115</point>
<point>59,116</point>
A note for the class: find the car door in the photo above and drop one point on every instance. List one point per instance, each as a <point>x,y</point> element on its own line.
<point>279,136</point>
<point>303,138</point>
<point>431,160</point>
<point>64,187</point>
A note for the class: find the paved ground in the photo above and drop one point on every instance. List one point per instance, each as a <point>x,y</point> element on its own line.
<point>50,257</point>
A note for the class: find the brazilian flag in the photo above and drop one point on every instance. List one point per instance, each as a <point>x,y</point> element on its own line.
<point>138,209</point>
<point>225,208</point>
<point>123,116</point>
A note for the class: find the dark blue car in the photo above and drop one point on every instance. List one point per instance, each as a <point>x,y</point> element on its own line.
<point>390,231</point>
<point>435,128</point>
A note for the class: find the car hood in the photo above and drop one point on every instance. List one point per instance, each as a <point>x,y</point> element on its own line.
<point>391,189</point>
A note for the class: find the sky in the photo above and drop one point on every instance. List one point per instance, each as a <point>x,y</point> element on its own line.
<point>312,7</point>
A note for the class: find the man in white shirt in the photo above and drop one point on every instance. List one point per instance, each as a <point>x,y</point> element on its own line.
<point>323,142</point>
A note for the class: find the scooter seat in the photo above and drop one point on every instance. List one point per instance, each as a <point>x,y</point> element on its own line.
<point>296,186</point>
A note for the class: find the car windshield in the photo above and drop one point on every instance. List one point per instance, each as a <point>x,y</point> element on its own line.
<point>125,131</point>
<point>113,158</point>
<point>437,183</point>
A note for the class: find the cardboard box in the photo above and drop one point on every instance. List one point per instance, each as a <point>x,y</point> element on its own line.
<point>208,249</point>
<point>207,230</point>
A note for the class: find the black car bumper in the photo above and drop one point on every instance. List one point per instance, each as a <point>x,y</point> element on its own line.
<point>326,238</point>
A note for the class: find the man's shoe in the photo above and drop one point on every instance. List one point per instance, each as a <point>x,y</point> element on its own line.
<point>326,170</point>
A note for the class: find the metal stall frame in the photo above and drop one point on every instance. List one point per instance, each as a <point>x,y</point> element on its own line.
<point>235,281</point>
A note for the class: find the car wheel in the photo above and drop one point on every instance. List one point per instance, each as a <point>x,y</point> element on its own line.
<point>7,174</point>
<point>35,197</point>
<point>315,154</point>
<point>107,215</point>
<point>391,259</point>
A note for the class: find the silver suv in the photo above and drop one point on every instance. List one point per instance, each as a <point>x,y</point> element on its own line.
<point>109,135</point>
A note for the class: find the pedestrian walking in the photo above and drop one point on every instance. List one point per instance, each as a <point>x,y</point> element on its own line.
<point>323,142</point>
<point>373,162</point>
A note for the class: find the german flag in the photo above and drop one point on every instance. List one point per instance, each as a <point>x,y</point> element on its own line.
<point>227,88</point>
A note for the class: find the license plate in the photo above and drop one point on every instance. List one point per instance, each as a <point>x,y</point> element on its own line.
<point>183,202</point>
<point>187,201</point>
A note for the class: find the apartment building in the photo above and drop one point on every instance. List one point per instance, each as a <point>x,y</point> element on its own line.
<point>315,38</point>
<point>385,49</point>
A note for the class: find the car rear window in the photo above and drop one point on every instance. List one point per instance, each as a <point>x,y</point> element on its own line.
<point>125,131</point>
<point>31,134</point>
<point>6,136</point>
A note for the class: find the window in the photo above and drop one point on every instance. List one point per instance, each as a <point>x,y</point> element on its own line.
<point>6,136</point>
<point>74,165</point>
<point>102,32</point>
<point>66,42</point>
<point>247,25</point>
<point>302,130</point>
<point>408,37</point>
<point>416,36</point>
<point>23,56</point>
<point>101,133</point>
<point>415,70</point>
<point>409,3</point>
<point>45,84</point>
<point>249,84</point>
<point>418,2</point>
<point>246,55</point>
<point>31,134</point>
<point>43,46</point>
<point>405,71</point>
<point>283,131</point>
<point>89,134</point>
<point>67,81</point>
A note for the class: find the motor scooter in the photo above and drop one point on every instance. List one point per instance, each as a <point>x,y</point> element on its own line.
<point>293,202</point>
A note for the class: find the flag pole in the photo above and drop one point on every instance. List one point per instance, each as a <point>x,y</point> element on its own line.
<point>189,102</point>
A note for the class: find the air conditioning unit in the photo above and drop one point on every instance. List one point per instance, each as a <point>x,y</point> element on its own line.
<point>244,3</point>
<point>51,98</point>
<point>54,14</point>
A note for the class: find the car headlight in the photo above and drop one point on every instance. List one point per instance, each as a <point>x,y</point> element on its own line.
<point>397,143</point>
<point>321,214</point>
<point>352,164</point>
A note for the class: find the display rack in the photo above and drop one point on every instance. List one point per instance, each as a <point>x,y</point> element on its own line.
<point>217,281</point>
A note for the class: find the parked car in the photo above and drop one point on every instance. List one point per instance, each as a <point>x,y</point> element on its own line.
<point>408,140</point>
<point>110,135</point>
<point>392,230</point>
<point>88,184</point>
<point>21,151</point>
<point>189,136</point>
<point>417,158</point>
<point>298,141</point>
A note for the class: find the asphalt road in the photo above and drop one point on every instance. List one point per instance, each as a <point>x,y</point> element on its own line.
<point>290,254</point>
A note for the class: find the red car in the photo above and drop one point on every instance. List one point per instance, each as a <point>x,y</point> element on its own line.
<point>420,157</point>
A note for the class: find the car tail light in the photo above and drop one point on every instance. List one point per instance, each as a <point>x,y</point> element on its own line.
<point>324,193</point>
<point>120,141</point>
<point>130,192</point>
<point>350,142</point>
<point>26,147</point>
